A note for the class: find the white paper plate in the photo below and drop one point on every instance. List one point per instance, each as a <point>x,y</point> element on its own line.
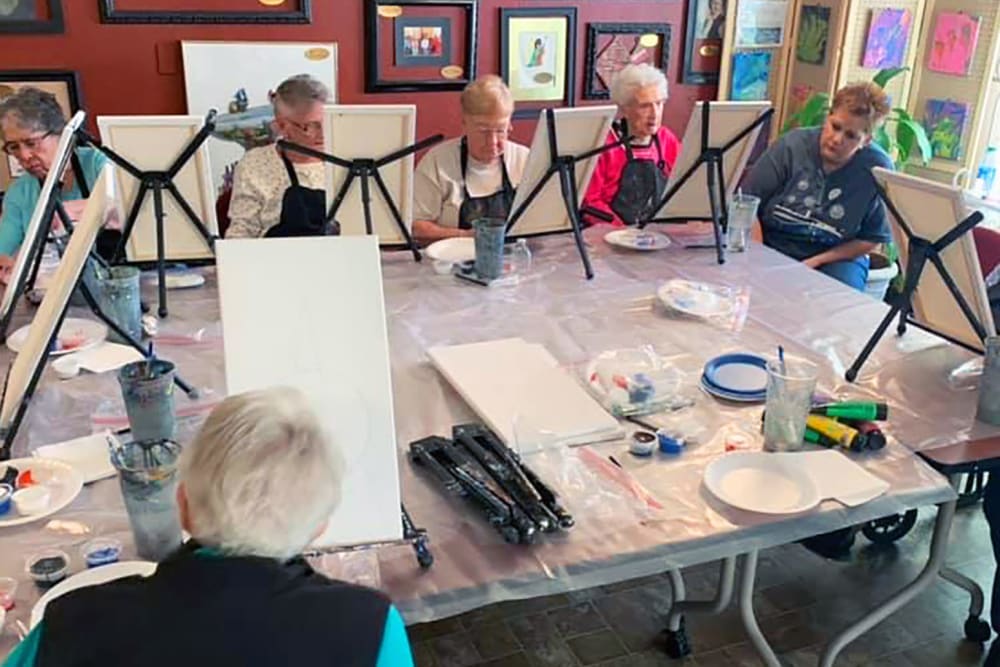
<point>454,250</point>
<point>637,239</point>
<point>89,454</point>
<point>61,478</point>
<point>761,482</point>
<point>75,334</point>
<point>184,280</point>
<point>691,298</point>
<point>91,577</point>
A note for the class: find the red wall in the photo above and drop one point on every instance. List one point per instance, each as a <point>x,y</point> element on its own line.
<point>136,69</point>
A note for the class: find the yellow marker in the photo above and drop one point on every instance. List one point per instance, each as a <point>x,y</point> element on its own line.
<point>847,437</point>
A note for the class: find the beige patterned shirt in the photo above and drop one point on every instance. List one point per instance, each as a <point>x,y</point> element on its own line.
<point>259,185</point>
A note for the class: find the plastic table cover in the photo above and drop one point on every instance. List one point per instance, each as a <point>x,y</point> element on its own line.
<point>552,304</point>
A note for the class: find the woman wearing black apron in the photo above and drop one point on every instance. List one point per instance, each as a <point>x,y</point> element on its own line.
<point>642,185</point>
<point>303,210</point>
<point>496,205</point>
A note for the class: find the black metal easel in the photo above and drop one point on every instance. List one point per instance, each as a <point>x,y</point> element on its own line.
<point>920,251</point>
<point>156,182</point>
<point>712,157</point>
<point>365,169</point>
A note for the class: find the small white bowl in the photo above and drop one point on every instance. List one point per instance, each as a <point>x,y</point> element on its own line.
<point>442,267</point>
<point>32,500</point>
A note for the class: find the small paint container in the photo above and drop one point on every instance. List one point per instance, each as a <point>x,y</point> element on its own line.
<point>101,551</point>
<point>670,442</point>
<point>8,591</point>
<point>32,500</point>
<point>48,567</point>
<point>643,443</point>
<point>6,494</point>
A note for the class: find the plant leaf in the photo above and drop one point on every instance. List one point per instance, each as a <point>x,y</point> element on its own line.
<point>883,76</point>
<point>914,131</point>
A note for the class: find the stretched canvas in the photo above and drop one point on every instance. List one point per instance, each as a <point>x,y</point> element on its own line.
<point>954,43</point>
<point>814,32</point>
<point>888,35</point>
<point>751,72</point>
<point>945,124</point>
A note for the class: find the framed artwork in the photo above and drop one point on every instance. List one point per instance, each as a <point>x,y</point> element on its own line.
<point>63,84</point>
<point>761,23</point>
<point>612,46</point>
<point>706,26</point>
<point>419,45</point>
<point>945,121</point>
<point>953,43</point>
<point>814,33</point>
<point>240,11</point>
<point>538,57</point>
<point>31,16</point>
<point>888,35</point>
<point>751,76</point>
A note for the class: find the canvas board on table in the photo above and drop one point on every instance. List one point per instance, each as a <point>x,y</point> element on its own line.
<point>315,320</point>
<point>577,131</point>
<point>371,131</point>
<point>726,121</point>
<point>215,73</point>
<point>931,210</point>
<point>153,143</point>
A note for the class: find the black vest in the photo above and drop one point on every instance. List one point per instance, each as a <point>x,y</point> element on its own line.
<point>219,611</point>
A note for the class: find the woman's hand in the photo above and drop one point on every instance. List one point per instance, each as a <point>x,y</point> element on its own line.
<point>6,266</point>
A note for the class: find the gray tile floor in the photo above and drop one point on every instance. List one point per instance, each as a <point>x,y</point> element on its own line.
<point>801,601</point>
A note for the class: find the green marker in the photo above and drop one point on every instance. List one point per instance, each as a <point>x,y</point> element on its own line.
<point>858,410</point>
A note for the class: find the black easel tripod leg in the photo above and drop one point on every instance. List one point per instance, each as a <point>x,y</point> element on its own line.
<point>192,216</point>
<point>366,203</point>
<point>852,372</point>
<point>161,260</point>
<point>713,202</point>
<point>568,188</point>
<point>345,187</point>
<point>395,214</point>
<point>133,215</point>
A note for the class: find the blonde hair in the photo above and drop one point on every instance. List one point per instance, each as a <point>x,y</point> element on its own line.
<point>261,476</point>
<point>486,96</point>
<point>631,78</point>
<point>865,100</point>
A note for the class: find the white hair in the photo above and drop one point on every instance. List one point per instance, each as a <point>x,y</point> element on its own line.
<point>633,77</point>
<point>299,91</point>
<point>261,476</point>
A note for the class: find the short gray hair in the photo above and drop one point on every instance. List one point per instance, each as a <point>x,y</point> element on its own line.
<point>33,109</point>
<point>298,91</point>
<point>633,77</point>
<point>261,476</point>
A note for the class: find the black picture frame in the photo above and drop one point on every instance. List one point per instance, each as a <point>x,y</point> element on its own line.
<point>407,60</point>
<point>695,42</point>
<point>594,32</point>
<point>51,25</point>
<point>376,83</point>
<point>528,109</point>
<point>110,13</point>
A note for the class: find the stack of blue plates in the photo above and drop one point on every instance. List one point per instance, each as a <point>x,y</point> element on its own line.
<point>736,377</point>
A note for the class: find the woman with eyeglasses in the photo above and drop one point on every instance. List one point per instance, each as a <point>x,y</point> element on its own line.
<point>474,176</point>
<point>277,192</point>
<point>31,121</point>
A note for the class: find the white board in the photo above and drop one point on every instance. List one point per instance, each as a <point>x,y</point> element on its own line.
<point>22,263</point>
<point>49,314</point>
<point>215,71</point>
<point>315,320</point>
<point>931,210</point>
<point>577,132</point>
<point>371,131</point>
<point>727,120</point>
<point>153,143</point>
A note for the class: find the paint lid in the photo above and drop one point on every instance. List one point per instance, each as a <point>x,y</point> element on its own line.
<point>101,551</point>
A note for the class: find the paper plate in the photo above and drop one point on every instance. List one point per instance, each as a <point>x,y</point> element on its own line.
<point>61,478</point>
<point>91,577</point>
<point>761,482</point>
<point>692,298</point>
<point>74,335</point>
<point>637,239</point>
<point>454,250</point>
<point>737,373</point>
<point>732,396</point>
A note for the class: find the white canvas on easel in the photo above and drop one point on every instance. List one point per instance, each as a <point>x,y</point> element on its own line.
<point>371,131</point>
<point>315,320</point>
<point>577,131</point>
<point>152,143</point>
<point>931,210</point>
<point>726,121</point>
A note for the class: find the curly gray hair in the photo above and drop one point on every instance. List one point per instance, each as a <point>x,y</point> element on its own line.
<point>298,91</point>
<point>33,109</point>
<point>633,77</point>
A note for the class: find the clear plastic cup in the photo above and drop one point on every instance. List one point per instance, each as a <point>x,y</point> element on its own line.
<point>740,218</point>
<point>790,386</point>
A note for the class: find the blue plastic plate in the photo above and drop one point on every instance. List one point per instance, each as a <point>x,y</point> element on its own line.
<point>737,373</point>
<point>732,396</point>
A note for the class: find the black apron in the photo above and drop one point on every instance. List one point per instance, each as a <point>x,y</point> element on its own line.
<point>641,186</point>
<point>303,210</point>
<point>496,205</point>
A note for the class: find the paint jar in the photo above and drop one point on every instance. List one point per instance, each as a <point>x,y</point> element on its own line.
<point>101,551</point>
<point>988,408</point>
<point>740,218</point>
<point>147,472</point>
<point>148,391</point>
<point>490,234</point>
<point>790,386</point>
<point>8,593</point>
<point>118,298</point>
<point>48,567</point>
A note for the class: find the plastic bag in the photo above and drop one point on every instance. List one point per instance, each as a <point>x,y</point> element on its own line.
<point>635,381</point>
<point>722,306</point>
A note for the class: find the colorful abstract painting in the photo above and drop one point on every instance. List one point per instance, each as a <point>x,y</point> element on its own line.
<point>887,37</point>
<point>814,32</point>
<point>751,71</point>
<point>954,43</point>
<point>945,123</point>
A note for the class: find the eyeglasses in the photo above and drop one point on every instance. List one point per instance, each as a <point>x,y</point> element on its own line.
<point>312,127</point>
<point>491,132</point>
<point>30,144</point>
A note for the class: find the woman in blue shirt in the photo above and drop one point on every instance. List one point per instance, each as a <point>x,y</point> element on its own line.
<point>30,124</point>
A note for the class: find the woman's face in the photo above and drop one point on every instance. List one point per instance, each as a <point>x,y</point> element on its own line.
<point>843,135</point>
<point>302,126</point>
<point>716,8</point>
<point>644,113</point>
<point>33,149</point>
<point>486,135</point>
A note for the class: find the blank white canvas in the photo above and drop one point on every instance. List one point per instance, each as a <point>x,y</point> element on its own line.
<point>727,120</point>
<point>371,131</point>
<point>315,320</point>
<point>153,143</point>
<point>577,131</point>
<point>215,71</point>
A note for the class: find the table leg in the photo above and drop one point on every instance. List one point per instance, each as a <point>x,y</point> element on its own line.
<point>676,634</point>
<point>939,546</point>
<point>676,599</point>
<point>747,578</point>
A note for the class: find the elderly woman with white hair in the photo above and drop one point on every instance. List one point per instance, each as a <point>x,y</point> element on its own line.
<point>278,192</point>
<point>474,176</point>
<point>257,485</point>
<point>630,180</point>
